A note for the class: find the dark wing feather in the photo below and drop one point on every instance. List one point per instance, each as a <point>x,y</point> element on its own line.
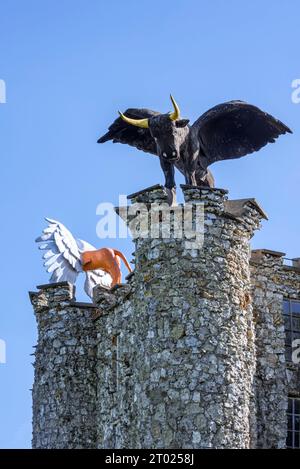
<point>121,132</point>
<point>234,129</point>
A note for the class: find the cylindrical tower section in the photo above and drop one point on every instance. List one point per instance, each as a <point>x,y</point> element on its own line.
<point>192,373</point>
<point>64,390</point>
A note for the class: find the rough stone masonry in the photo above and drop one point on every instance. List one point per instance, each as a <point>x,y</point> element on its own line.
<point>275,377</point>
<point>65,384</point>
<point>167,360</point>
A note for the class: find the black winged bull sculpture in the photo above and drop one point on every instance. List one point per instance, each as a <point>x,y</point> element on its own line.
<point>228,130</point>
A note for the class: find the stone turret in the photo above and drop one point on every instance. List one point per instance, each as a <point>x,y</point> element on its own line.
<point>176,353</point>
<point>65,384</point>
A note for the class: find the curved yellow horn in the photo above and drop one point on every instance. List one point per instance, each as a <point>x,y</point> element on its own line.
<point>143,123</point>
<point>176,114</point>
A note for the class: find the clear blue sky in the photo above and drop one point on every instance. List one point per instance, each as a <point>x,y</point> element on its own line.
<point>68,66</point>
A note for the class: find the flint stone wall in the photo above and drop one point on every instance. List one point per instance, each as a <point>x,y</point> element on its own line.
<point>176,354</point>
<point>65,384</point>
<point>272,281</point>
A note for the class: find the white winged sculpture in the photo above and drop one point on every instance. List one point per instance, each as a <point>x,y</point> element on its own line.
<point>63,257</point>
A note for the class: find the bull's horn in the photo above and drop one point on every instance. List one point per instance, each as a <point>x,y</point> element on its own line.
<point>143,123</point>
<point>176,114</point>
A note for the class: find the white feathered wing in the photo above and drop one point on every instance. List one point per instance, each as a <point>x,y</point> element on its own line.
<point>63,257</point>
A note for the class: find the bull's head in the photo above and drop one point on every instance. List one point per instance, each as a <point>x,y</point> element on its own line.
<point>168,131</point>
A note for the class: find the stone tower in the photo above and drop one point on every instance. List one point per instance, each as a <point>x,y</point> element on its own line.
<point>176,356</point>
<point>65,384</point>
<point>168,359</point>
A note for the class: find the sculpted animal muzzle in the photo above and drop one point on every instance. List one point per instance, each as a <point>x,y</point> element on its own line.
<point>170,155</point>
<point>144,123</point>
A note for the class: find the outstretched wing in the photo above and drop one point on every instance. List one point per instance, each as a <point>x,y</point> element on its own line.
<point>121,132</point>
<point>62,256</point>
<point>234,129</point>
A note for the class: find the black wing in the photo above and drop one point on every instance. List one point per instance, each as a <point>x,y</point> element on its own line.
<point>121,132</point>
<point>234,129</point>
